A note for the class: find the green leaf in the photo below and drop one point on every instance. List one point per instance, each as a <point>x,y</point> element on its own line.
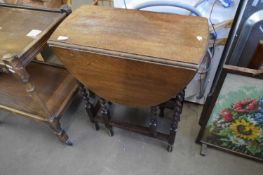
<point>225,144</point>
<point>254,149</point>
<point>224,132</point>
<point>259,139</point>
<point>243,117</point>
<point>235,115</point>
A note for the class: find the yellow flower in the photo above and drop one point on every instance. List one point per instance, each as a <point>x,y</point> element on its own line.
<point>244,129</point>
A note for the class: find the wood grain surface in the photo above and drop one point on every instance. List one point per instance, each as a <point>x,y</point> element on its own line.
<point>16,23</point>
<point>164,36</point>
<point>123,81</point>
<point>131,57</point>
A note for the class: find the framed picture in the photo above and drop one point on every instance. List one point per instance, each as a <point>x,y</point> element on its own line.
<point>233,118</point>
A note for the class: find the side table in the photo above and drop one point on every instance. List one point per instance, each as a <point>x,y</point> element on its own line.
<point>37,91</point>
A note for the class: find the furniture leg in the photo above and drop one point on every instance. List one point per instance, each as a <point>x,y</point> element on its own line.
<point>161,108</point>
<point>14,65</point>
<point>176,118</point>
<point>105,112</point>
<point>153,121</point>
<point>90,109</point>
<point>203,151</point>
<point>55,125</point>
<point>91,94</point>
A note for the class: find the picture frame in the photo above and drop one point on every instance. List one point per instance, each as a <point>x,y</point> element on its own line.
<point>232,118</point>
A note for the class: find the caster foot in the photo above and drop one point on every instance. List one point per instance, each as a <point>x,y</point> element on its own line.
<point>69,143</point>
<point>203,151</point>
<point>170,148</point>
<point>60,133</point>
<point>64,138</point>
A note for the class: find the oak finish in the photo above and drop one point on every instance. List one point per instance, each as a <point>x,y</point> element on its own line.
<point>52,84</point>
<point>131,57</point>
<point>162,36</point>
<point>37,91</point>
<point>14,42</point>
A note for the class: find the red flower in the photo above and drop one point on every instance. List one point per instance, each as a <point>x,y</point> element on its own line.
<point>227,116</point>
<point>245,106</point>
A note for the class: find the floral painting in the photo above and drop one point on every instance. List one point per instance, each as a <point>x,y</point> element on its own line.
<point>236,122</point>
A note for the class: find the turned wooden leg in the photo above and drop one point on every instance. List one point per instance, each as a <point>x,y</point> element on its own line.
<point>15,66</point>
<point>105,113</point>
<point>178,106</point>
<point>91,94</point>
<point>55,125</point>
<point>90,109</point>
<point>153,121</point>
<point>161,113</point>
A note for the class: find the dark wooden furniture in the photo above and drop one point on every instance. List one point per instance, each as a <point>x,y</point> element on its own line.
<point>37,91</point>
<point>129,57</point>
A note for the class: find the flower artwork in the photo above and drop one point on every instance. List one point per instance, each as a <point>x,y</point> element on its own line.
<point>236,123</point>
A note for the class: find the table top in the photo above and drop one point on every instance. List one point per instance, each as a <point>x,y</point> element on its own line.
<point>23,29</point>
<point>157,36</point>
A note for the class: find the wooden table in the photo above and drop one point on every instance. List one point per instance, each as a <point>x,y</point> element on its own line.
<point>129,57</point>
<point>37,91</point>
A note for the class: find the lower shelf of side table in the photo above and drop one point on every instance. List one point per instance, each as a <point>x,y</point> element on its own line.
<point>54,86</point>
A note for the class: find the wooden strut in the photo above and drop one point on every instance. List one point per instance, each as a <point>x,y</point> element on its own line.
<point>178,107</point>
<point>100,112</point>
<point>91,109</point>
<point>106,115</point>
<point>153,121</point>
<point>15,66</point>
<point>161,113</point>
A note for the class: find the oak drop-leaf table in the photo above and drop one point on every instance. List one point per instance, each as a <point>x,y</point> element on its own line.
<point>133,58</point>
